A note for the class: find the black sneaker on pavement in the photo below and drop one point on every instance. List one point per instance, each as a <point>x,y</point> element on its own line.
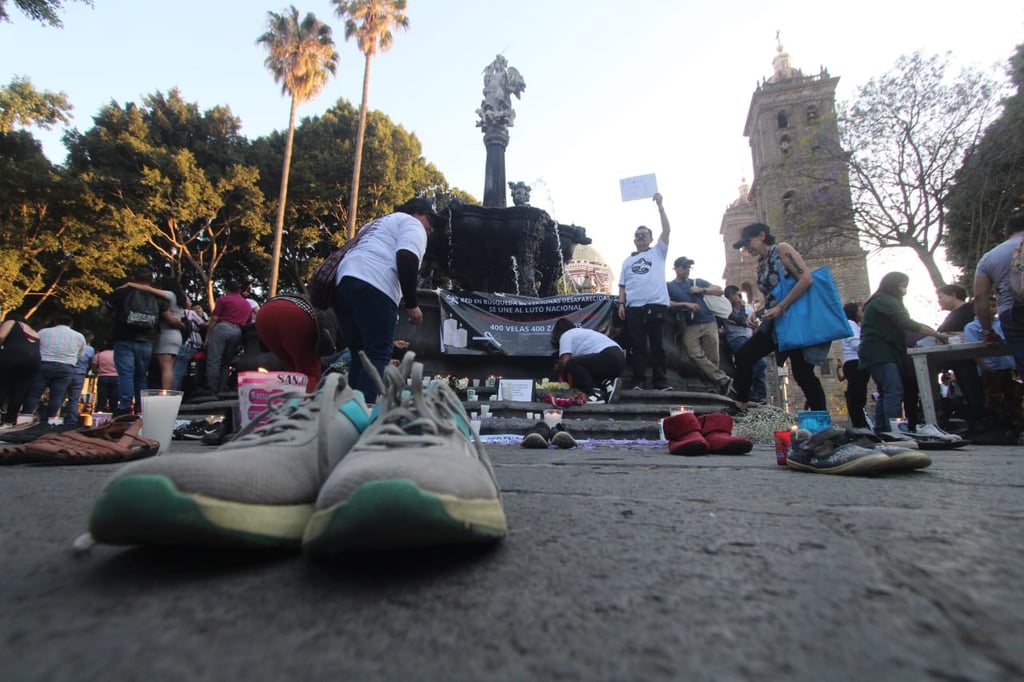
<point>217,436</point>
<point>831,452</point>
<point>562,438</point>
<point>596,398</point>
<point>198,429</point>
<point>537,437</point>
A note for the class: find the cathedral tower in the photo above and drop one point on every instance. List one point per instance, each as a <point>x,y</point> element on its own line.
<point>801,190</point>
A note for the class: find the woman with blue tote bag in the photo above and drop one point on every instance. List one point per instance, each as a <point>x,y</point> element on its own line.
<point>776,262</point>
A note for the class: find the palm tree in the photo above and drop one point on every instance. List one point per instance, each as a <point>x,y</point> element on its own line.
<point>370,21</point>
<point>302,58</point>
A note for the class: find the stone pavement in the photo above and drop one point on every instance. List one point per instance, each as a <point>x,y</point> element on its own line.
<point>622,563</point>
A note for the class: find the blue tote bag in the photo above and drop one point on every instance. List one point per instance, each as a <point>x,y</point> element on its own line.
<point>816,317</point>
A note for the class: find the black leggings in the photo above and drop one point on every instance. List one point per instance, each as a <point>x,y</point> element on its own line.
<point>760,345</point>
<point>17,371</point>
<point>856,392</point>
<point>587,371</point>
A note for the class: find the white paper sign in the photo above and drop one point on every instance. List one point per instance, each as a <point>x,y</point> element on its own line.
<point>639,187</point>
<point>518,390</point>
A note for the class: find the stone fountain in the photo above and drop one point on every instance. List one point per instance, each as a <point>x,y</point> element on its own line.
<point>495,256</point>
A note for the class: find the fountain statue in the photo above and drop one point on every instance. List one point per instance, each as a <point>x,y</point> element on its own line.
<point>519,250</point>
<point>496,116</point>
<point>490,275</point>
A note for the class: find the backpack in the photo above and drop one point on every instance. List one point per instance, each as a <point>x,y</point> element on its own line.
<point>139,310</point>
<point>1016,283</point>
<point>321,284</point>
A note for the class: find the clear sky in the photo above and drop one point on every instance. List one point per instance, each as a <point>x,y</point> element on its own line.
<point>613,89</point>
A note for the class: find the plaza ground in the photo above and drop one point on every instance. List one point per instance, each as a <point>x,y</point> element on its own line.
<point>622,562</point>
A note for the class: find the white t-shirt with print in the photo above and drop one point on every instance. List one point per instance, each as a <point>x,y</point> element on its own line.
<point>372,259</point>
<point>581,341</point>
<point>643,275</point>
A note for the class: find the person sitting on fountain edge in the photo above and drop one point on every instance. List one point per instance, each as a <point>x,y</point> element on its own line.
<point>590,361</point>
<point>643,300</point>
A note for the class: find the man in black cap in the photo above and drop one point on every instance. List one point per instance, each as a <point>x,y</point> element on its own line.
<point>700,335</point>
<point>379,270</point>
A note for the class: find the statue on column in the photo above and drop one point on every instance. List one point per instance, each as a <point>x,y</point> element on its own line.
<point>496,116</point>
<point>501,81</point>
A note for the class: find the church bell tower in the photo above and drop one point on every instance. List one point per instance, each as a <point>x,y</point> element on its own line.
<point>801,190</point>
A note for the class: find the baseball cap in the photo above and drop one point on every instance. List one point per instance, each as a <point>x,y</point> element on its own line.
<point>418,205</point>
<point>682,262</point>
<point>749,232</point>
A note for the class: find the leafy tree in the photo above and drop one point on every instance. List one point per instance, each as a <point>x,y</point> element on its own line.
<point>990,184</point>
<point>22,105</point>
<point>43,11</point>
<point>302,58</point>
<point>370,22</point>
<point>173,179</point>
<point>52,254</point>
<point>395,171</point>
<point>906,133</point>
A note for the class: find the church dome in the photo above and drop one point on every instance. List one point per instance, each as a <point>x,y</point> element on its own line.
<point>588,253</point>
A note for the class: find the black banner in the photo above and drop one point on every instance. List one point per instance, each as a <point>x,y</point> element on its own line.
<point>476,323</point>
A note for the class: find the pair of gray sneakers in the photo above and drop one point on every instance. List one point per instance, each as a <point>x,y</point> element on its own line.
<point>320,473</point>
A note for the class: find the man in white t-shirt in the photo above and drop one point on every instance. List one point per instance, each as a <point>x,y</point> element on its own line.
<point>643,299</point>
<point>379,270</point>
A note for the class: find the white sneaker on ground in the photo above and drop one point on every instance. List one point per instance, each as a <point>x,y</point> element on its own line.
<point>933,431</point>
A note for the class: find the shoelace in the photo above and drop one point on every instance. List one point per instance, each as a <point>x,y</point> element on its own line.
<point>286,411</point>
<point>409,416</point>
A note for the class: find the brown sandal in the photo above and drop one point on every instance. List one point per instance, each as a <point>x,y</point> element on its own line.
<point>116,441</point>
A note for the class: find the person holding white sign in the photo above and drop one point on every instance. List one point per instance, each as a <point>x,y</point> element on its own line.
<point>643,300</point>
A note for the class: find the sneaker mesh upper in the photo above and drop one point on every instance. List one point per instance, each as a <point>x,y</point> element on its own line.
<point>284,461</point>
<point>421,435</point>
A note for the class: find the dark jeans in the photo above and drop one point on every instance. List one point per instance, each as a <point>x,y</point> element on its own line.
<point>587,371</point>
<point>888,377</point>
<point>225,338</point>
<point>74,396</point>
<point>57,377</point>
<point>758,383</point>
<point>1012,322</point>
<point>761,344</point>
<point>106,394</point>
<point>856,392</point>
<point>132,360</point>
<point>181,361</point>
<point>368,318</point>
<point>645,338</point>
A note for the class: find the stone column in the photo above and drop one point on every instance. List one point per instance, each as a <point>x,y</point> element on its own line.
<point>495,140</point>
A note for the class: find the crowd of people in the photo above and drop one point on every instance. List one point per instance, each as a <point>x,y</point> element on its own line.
<point>155,333</point>
<point>158,332</point>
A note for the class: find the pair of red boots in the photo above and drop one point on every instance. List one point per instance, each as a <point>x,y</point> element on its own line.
<point>691,435</point>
